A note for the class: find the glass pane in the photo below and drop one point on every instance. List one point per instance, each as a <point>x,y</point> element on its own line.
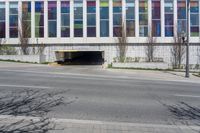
<point>65,7</point>
<point>143,31</point>
<point>91,19</point>
<point>2,29</point>
<point>39,32</point>
<point>194,31</point>
<point>155,9</point>
<point>104,28</point>
<point>156,28</point>
<point>13,33</point>
<point>52,11</point>
<point>91,31</point>
<point>65,32</point>
<point>104,12</point>
<point>130,28</point>
<point>169,31</point>
<point>52,29</point>
<point>65,21</point>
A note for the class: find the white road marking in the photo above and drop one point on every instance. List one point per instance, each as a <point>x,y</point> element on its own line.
<point>11,118</point>
<point>24,86</point>
<point>191,96</point>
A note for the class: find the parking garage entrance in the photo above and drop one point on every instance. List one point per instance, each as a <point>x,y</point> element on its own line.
<point>74,57</point>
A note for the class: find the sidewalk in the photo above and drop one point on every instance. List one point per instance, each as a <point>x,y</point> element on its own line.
<point>79,126</point>
<point>90,126</point>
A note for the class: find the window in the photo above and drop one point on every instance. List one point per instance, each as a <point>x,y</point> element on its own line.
<point>2,20</point>
<point>26,19</point>
<point>117,18</point>
<point>130,18</point>
<point>65,19</point>
<point>194,18</point>
<point>13,16</point>
<point>181,5</point>
<point>104,18</point>
<point>39,19</point>
<point>91,18</point>
<point>52,19</point>
<point>169,18</point>
<point>143,18</point>
<point>78,18</point>
<point>156,23</point>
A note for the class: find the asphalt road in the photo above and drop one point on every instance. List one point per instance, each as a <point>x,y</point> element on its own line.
<point>111,96</point>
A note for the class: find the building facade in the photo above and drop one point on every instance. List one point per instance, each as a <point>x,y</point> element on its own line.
<point>92,25</point>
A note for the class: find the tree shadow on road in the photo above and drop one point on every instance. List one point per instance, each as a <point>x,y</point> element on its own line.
<point>185,113</point>
<point>34,106</point>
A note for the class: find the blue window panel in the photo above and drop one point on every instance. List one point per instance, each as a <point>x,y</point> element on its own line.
<point>194,19</point>
<point>169,19</point>
<point>117,18</point>
<point>104,12</point>
<point>169,31</point>
<point>156,28</point>
<point>181,26</point>
<point>130,13</point>
<point>39,7</point>
<point>52,28</point>
<point>78,32</point>
<point>91,9</point>
<point>143,31</point>
<point>104,31</point>
<point>91,19</point>
<point>65,21</point>
<point>14,20</point>
<point>117,9</point>
<point>2,13</point>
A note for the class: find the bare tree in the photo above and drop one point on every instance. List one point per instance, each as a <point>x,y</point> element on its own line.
<point>24,32</point>
<point>150,48</point>
<point>177,51</point>
<point>121,35</point>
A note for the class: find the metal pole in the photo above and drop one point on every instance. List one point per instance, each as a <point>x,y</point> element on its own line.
<point>187,45</point>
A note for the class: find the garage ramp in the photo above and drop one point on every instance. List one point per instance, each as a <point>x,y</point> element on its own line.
<point>75,57</point>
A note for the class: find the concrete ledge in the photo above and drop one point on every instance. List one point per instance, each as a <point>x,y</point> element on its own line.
<point>145,65</point>
<point>25,58</point>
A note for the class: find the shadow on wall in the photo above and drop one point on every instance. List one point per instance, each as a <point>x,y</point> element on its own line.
<point>33,104</point>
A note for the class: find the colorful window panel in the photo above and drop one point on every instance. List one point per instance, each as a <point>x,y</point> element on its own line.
<point>117,18</point>
<point>91,18</point>
<point>65,19</point>
<point>169,18</point>
<point>181,15</point>
<point>130,18</point>
<point>104,18</point>
<point>156,23</point>
<point>2,20</point>
<point>13,16</point>
<point>26,19</point>
<point>52,18</point>
<point>143,18</point>
<point>194,18</point>
<point>78,18</point>
<point>39,19</point>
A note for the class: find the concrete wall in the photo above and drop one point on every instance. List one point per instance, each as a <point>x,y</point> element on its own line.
<point>133,51</point>
<point>25,58</point>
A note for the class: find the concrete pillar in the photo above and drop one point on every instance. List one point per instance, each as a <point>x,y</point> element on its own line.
<point>162,5</point>
<point>71,18</point>
<point>111,18</point>
<point>58,19</point>
<point>137,27</point>
<point>84,18</point>
<point>45,19</point>
<point>98,18</point>
<point>32,19</point>
<point>7,19</point>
